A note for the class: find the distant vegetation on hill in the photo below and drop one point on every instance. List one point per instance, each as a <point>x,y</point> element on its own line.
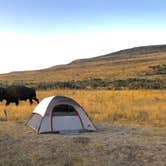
<point>135,68</point>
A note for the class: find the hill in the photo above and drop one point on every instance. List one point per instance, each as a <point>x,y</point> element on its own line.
<point>127,53</point>
<point>143,63</point>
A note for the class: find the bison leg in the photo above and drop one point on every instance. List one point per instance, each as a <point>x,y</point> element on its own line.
<point>7,103</point>
<point>36,99</point>
<point>31,102</point>
<point>17,103</point>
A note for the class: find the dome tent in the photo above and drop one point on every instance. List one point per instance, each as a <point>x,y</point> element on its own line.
<point>59,114</point>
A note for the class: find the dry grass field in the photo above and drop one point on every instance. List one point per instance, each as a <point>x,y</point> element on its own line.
<point>111,145</point>
<point>135,106</point>
<point>131,130</point>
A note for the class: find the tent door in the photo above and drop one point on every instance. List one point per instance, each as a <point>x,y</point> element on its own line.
<point>62,123</point>
<point>65,117</point>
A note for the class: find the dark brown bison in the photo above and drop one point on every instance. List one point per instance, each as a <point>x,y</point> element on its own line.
<point>13,94</point>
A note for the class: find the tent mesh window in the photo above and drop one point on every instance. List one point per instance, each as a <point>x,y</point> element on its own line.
<point>64,110</point>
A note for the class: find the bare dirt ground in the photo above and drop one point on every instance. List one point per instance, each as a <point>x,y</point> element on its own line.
<point>111,145</point>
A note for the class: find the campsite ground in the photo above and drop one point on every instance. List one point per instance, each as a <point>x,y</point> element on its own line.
<point>112,145</point>
<point>131,132</point>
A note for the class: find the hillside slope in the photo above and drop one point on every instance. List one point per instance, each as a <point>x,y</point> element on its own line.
<point>140,62</point>
<point>127,53</point>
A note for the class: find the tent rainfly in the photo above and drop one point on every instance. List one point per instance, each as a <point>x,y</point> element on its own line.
<point>59,114</point>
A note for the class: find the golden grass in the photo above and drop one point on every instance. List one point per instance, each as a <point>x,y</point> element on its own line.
<point>140,106</point>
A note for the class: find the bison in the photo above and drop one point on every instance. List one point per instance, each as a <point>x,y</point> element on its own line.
<point>13,94</point>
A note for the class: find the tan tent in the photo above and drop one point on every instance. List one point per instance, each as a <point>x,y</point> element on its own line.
<point>59,114</point>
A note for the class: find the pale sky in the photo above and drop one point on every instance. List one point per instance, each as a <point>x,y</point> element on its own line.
<point>37,34</point>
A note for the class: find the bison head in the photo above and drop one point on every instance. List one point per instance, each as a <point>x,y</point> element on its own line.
<point>2,94</point>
